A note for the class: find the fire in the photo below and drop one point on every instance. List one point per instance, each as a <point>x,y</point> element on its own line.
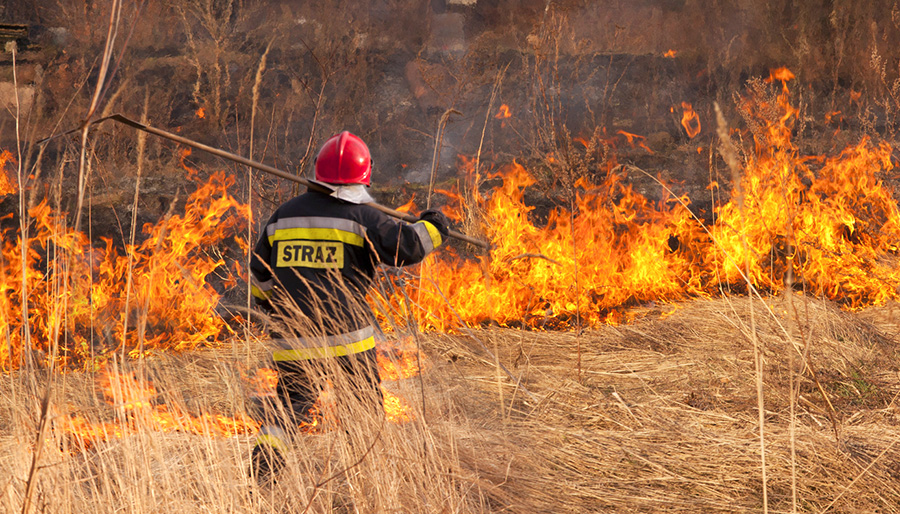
<point>137,402</point>
<point>622,255</point>
<point>79,297</point>
<point>400,360</point>
<point>263,382</point>
<point>408,205</point>
<point>182,159</point>
<point>635,139</point>
<point>828,222</point>
<point>201,113</point>
<point>7,182</point>
<point>780,74</point>
<point>689,120</point>
<point>503,113</point>
<point>395,362</point>
<point>670,54</point>
<point>396,409</point>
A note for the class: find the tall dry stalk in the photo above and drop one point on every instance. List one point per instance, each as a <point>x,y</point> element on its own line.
<point>23,219</point>
<point>260,69</point>
<point>115,15</point>
<point>726,148</point>
<point>26,330</point>
<point>438,146</point>
<point>44,414</point>
<point>141,148</point>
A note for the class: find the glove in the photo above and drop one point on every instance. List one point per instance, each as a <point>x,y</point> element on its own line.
<point>437,218</point>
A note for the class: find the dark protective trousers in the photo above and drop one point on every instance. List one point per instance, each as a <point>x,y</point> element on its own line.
<point>301,382</point>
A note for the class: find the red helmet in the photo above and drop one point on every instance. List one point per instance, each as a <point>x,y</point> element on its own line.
<point>344,159</point>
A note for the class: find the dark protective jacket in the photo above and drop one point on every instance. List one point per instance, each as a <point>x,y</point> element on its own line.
<point>314,263</point>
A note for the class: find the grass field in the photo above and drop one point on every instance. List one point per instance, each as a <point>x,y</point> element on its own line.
<point>128,382</point>
<point>661,415</point>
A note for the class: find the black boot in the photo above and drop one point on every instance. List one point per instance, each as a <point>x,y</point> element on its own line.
<point>268,456</point>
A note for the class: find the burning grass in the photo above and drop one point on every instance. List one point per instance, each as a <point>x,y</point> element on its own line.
<point>827,224</point>
<point>85,304</point>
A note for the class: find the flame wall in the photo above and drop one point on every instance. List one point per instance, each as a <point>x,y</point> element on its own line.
<point>80,302</point>
<point>827,223</point>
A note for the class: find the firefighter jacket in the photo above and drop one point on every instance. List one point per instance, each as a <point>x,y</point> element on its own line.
<point>314,263</point>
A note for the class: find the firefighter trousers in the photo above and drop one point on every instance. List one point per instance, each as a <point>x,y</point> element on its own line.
<point>300,382</point>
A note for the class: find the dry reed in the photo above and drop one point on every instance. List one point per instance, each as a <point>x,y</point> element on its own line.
<point>664,421</point>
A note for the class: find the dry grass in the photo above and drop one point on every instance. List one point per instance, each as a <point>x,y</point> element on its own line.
<point>664,420</point>
<point>659,415</point>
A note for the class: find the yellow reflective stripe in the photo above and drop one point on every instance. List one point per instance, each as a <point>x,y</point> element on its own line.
<point>270,440</point>
<point>433,233</point>
<point>317,234</point>
<point>341,350</point>
<point>320,228</point>
<point>259,293</point>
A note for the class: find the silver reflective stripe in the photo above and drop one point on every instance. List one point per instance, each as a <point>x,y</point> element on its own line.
<point>263,286</point>
<point>262,290</point>
<point>326,341</point>
<point>424,236</point>
<point>316,222</point>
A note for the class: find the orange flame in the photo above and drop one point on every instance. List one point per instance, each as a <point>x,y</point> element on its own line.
<point>396,409</point>
<point>689,120</point>
<point>170,303</point>
<point>451,210</point>
<point>400,360</point>
<point>182,158</point>
<point>670,54</point>
<point>835,228</point>
<point>7,181</point>
<point>396,361</point>
<point>411,204</point>
<point>137,400</point>
<point>264,382</point>
<point>503,113</point>
<point>782,75</point>
<point>635,139</point>
<point>201,113</point>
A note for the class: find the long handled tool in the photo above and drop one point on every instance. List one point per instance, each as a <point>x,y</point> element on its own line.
<point>314,186</point>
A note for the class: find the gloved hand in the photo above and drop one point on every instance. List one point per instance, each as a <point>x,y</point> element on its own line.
<point>437,218</point>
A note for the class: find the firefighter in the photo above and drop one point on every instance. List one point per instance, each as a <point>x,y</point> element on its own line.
<point>310,271</point>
